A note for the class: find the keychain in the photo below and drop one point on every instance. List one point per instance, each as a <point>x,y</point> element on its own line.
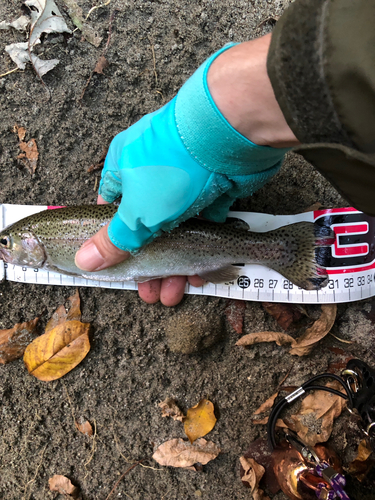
<point>308,473</point>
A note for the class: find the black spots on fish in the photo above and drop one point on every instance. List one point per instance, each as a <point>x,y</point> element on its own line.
<point>299,263</point>
<point>318,283</point>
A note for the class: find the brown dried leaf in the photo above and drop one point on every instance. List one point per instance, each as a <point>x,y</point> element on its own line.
<point>253,473</point>
<point>169,408</point>
<point>235,312</point>
<point>267,405</point>
<point>262,421</point>
<point>319,408</point>
<point>20,131</point>
<point>316,332</point>
<point>63,485</point>
<point>101,64</point>
<point>61,315</point>
<point>180,453</point>
<point>284,314</point>
<point>363,463</point>
<point>84,426</point>
<point>57,352</point>
<point>14,341</point>
<point>259,451</point>
<point>255,338</point>
<point>199,420</point>
<point>304,344</point>
<point>30,155</point>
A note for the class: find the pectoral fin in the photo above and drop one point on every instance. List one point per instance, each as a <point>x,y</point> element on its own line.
<point>222,275</point>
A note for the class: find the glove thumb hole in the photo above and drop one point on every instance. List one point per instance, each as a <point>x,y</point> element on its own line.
<point>99,253</point>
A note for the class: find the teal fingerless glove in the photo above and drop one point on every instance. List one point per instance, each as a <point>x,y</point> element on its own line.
<point>181,160</point>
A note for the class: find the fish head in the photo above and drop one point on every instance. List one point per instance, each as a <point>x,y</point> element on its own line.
<point>21,248</point>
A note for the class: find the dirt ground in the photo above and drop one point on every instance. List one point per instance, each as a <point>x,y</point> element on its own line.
<point>133,364</point>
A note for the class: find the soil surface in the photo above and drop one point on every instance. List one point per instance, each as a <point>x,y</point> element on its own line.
<point>135,361</point>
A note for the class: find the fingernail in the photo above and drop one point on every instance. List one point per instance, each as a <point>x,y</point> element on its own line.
<point>88,257</point>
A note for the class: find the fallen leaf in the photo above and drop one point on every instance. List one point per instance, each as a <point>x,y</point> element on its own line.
<point>45,18</point>
<point>84,426</point>
<point>363,463</point>
<point>255,338</point>
<point>63,485</point>
<point>235,312</point>
<point>14,341</point>
<point>19,24</point>
<point>169,408</point>
<point>259,451</point>
<point>253,473</point>
<point>19,54</point>
<point>54,354</point>
<point>76,15</point>
<point>20,131</point>
<point>304,344</point>
<point>262,421</point>
<point>100,65</point>
<point>318,411</point>
<point>180,453</point>
<point>61,314</point>
<point>199,420</point>
<point>30,155</point>
<point>284,314</point>
<point>267,405</point>
<point>316,332</point>
<point>63,346</point>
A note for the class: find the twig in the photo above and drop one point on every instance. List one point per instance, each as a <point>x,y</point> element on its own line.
<point>283,380</point>
<point>341,340</point>
<point>36,473</point>
<point>97,7</point>
<point>153,60</point>
<point>9,72</point>
<point>122,477</point>
<point>93,446</point>
<point>102,54</point>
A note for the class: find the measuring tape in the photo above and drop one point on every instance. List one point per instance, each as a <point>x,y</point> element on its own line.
<point>350,261</point>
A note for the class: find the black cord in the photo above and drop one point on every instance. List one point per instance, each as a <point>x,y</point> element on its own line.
<point>335,377</point>
<point>271,425</point>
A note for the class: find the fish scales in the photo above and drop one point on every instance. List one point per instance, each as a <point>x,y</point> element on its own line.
<point>50,240</point>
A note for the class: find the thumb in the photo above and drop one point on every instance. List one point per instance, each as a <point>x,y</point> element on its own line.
<point>99,253</point>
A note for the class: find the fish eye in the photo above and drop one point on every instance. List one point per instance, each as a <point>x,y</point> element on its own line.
<point>5,241</point>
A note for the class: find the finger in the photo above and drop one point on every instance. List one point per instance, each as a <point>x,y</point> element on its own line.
<point>99,253</point>
<point>196,281</point>
<point>101,200</point>
<point>172,290</point>
<point>149,291</point>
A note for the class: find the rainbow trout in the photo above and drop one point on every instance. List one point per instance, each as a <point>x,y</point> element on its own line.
<point>49,240</point>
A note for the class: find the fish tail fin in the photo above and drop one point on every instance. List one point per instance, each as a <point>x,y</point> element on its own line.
<point>301,267</point>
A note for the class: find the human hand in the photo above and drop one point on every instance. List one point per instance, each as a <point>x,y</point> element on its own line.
<point>179,161</point>
<point>168,290</point>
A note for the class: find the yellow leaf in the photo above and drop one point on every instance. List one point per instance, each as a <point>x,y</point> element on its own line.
<point>200,420</point>
<point>58,351</point>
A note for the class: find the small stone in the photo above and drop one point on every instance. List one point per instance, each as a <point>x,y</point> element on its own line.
<point>198,493</point>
